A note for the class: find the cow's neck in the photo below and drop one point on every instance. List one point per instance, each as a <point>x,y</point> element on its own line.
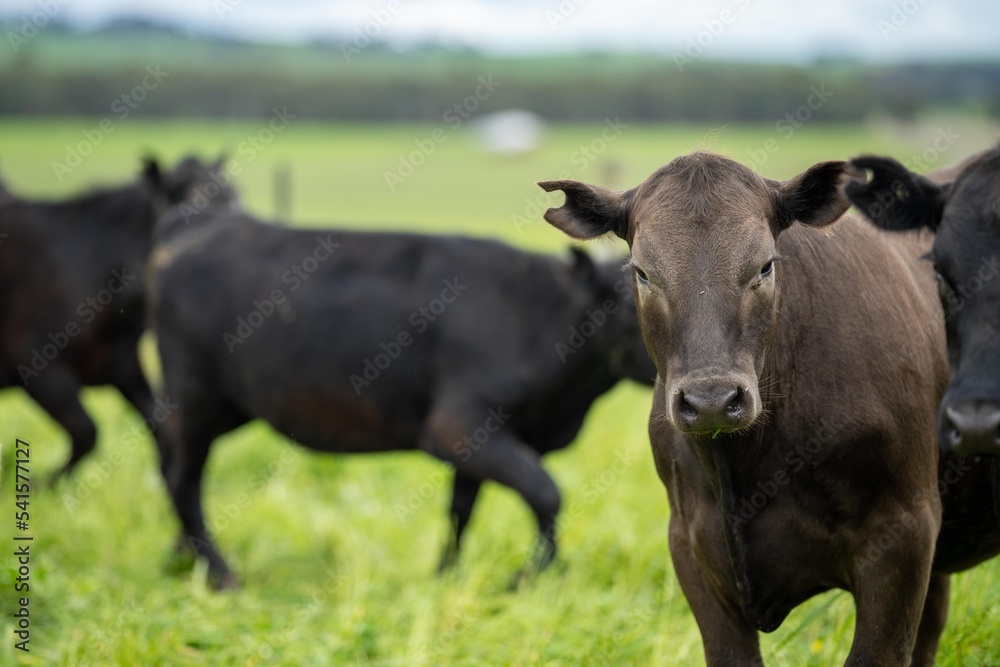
<point>730,457</point>
<point>723,458</point>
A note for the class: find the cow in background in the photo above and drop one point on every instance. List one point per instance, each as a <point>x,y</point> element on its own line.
<point>479,354</point>
<point>962,208</point>
<point>72,297</point>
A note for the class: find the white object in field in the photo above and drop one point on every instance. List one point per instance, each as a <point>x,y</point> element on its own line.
<point>510,132</point>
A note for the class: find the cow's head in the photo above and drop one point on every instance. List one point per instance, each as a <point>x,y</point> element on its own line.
<point>965,215</point>
<point>705,272</point>
<point>195,184</point>
<point>610,319</point>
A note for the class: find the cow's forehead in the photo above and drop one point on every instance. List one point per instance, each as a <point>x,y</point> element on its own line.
<point>701,208</point>
<point>970,228</point>
<point>701,187</point>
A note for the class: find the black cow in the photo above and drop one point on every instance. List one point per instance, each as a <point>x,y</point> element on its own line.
<point>481,355</point>
<point>964,213</point>
<point>72,299</point>
<point>793,419</point>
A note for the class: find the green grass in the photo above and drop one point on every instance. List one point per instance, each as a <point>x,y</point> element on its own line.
<point>332,575</point>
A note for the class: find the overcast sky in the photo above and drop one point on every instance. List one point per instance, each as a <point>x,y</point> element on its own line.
<point>790,30</point>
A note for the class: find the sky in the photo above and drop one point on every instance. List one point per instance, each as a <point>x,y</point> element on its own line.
<point>765,30</point>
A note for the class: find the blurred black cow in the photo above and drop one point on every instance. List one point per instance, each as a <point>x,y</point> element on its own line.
<point>963,209</point>
<point>72,299</point>
<point>482,355</point>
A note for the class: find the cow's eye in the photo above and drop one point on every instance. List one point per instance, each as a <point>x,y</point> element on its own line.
<point>945,290</point>
<point>641,275</point>
<point>767,269</point>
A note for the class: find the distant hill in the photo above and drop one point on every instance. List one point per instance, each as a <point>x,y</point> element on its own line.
<point>60,71</point>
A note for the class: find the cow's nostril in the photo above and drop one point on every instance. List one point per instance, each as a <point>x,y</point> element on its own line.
<point>686,408</point>
<point>735,406</point>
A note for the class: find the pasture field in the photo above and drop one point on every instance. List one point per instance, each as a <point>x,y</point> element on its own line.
<point>338,553</point>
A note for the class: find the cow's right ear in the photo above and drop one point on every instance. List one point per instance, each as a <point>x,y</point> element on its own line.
<point>589,210</point>
<point>894,197</point>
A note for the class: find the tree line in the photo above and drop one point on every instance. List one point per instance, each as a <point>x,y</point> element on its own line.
<point>239,80</point>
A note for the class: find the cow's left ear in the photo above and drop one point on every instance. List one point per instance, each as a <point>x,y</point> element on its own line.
<point>584,270</point>
<point>589,211</point>
<point>151,172</point>
<point>813,197</point>
<point>895,198</point>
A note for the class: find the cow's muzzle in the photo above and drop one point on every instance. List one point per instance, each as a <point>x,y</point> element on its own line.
<point>713,405</point>
<point>970,427</point>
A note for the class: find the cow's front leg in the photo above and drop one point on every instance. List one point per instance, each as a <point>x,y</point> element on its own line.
<point>58,393</point>
<point>932,621</point>
<point>727,637</point>
<point>890,588</point>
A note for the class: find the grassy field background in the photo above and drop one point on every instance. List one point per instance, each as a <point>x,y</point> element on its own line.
<point>332,575</point>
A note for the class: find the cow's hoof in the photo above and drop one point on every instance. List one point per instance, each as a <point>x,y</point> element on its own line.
<point>528,574</point>
<point>226,582</point>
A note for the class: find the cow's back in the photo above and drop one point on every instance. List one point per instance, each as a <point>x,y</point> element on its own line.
<point>362,339</point>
